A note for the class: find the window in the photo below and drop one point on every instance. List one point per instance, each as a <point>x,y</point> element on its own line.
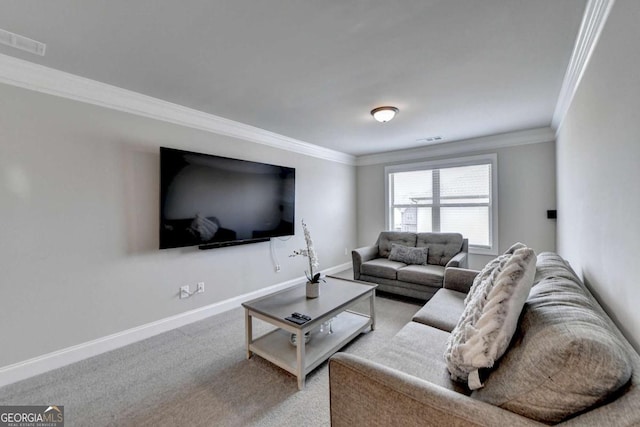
<point>457,195</point>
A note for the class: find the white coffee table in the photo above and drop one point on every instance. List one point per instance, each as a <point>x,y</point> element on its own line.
<point>336,297</point>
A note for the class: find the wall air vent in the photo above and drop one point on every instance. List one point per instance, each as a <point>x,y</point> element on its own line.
<point>23,43</point>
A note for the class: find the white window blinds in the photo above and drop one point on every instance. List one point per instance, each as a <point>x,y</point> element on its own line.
<point>446,198</point>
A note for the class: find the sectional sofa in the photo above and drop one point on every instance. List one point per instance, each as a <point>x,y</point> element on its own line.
<point>566,364</point>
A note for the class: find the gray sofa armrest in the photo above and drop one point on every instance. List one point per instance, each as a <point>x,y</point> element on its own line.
<point>361,255</point>
<point>459,279</point>
<point>459,260</point>
<point>365,393</point>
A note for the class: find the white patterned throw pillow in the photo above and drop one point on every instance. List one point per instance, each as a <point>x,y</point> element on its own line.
<point>203,228</point>
<point>491,313</point>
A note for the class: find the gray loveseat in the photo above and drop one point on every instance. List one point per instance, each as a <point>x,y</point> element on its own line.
<point>567,364</point>
<point>372,263</point>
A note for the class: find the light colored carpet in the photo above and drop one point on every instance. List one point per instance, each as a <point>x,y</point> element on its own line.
<point>196,375</point>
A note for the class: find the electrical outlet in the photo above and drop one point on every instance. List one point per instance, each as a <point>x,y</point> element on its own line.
<point>277,269</point>
<point>346,251</point>
<point>200,289</point>
<point>184,292</point>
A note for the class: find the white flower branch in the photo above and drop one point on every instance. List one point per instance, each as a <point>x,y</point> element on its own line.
<point>310,253</point>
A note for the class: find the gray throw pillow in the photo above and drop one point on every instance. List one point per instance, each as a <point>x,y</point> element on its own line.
<point>408,255</point>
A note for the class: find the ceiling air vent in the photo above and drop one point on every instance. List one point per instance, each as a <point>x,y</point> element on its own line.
<point>23,43</point>
<point>430,139</point>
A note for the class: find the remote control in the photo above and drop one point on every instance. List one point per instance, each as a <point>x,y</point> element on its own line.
<point>296,320</point>
<point>300,316</point>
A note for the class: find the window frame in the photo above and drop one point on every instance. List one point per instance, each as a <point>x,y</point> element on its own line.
<point>451,163</point>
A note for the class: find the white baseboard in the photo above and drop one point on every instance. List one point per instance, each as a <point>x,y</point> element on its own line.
<point>57,359</point>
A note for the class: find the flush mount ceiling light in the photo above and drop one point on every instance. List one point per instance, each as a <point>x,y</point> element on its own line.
<point>384,114</point>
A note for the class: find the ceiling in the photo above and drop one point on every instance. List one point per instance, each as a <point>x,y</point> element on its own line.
<point>312,70</point>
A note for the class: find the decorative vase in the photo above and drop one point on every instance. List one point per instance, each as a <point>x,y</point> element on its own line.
<point>313,289</point>
<point>293,338</point>
<point>327,327</point>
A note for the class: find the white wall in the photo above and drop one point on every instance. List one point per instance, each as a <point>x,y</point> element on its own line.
<point>79,196</point>
<point>598,158</point>
<point>526,190</point>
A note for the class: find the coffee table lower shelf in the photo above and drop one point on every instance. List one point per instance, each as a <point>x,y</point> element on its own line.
<point>277,349</point>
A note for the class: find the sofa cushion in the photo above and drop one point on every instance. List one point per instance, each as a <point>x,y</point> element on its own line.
<point>564,359</point>
<point>442,246</point>
<point>431,275</point>
<point>417,350</point>
<point>490,317</point>
<point>381,267</point>
<point>552,265</point>
<point>408,255</point>
<point>386,238</point>
<point>398,287</point>
<point>443,310</point>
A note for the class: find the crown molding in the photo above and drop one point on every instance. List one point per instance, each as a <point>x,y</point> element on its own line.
<point>512,139</point>
<point>595,16</point>
<point>28,75</point>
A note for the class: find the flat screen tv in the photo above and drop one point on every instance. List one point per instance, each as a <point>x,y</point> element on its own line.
<point>211,201</point>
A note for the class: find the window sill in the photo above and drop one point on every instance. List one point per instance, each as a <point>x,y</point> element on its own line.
<point>483,251</point>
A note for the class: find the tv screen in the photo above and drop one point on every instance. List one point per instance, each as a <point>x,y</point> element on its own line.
<point>211,201</point>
